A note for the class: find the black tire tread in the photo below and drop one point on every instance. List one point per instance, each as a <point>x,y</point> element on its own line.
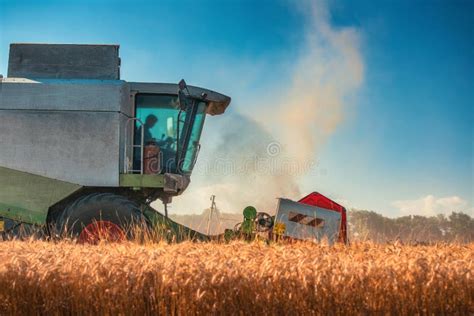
<point>82,206</point>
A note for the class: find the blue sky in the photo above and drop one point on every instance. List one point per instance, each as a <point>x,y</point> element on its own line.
<point>406,139</point>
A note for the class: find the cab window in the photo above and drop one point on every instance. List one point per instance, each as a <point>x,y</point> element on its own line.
<point>160,121</point>
<point>158,115</point>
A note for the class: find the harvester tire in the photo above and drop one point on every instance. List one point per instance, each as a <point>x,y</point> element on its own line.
<point>85,217</point>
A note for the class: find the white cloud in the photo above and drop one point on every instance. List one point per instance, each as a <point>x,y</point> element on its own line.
<point>430,205</point>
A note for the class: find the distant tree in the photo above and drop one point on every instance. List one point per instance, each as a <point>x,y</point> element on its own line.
<point>461,227</point>
<point>369,225</point>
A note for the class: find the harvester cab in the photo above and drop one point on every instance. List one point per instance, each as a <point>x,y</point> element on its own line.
<point>84,151</point>
<point>167,129</point>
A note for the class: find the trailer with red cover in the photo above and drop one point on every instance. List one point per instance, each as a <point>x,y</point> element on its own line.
<point>319,200</point>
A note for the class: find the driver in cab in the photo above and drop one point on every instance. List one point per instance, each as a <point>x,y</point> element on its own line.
<point>150,122</point>
<point>148,139</point>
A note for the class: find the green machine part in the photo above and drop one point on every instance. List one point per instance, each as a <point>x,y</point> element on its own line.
<point>250,213</point>
<point>248,225</point>
<point>26,197</point>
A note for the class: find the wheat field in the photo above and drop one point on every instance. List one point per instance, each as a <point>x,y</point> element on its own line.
<point>238,278</point>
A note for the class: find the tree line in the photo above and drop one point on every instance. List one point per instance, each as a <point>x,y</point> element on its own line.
<point>363,225</point>
<point>369,225</point>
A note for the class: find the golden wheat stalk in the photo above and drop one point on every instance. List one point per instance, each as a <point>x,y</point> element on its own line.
<point>238,278</point>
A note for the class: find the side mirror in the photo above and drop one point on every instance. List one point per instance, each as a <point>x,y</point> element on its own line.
<point>182,85</point>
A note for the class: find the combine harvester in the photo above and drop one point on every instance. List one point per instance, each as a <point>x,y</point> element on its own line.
<point>84,153</point>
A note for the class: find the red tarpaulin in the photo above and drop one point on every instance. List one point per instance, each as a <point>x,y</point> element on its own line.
<point>319,200</point>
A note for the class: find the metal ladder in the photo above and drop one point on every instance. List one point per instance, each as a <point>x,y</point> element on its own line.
<point>128,163</point>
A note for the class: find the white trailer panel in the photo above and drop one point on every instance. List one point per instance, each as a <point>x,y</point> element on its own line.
<point>306,222</point>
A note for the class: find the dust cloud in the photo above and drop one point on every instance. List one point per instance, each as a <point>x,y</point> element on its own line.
<point>252,161</point>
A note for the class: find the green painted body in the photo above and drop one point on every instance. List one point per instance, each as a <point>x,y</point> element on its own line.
<point>27,198</point>
<point>248,225</point>
<point>142,180</point>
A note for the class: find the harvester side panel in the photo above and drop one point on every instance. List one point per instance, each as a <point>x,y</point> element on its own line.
<point>68,130</point>
<point>77,147</point>
<point>65,95</point>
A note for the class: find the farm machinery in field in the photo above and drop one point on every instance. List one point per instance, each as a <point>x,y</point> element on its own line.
<point>85,152</point>
<point>314,217</point>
